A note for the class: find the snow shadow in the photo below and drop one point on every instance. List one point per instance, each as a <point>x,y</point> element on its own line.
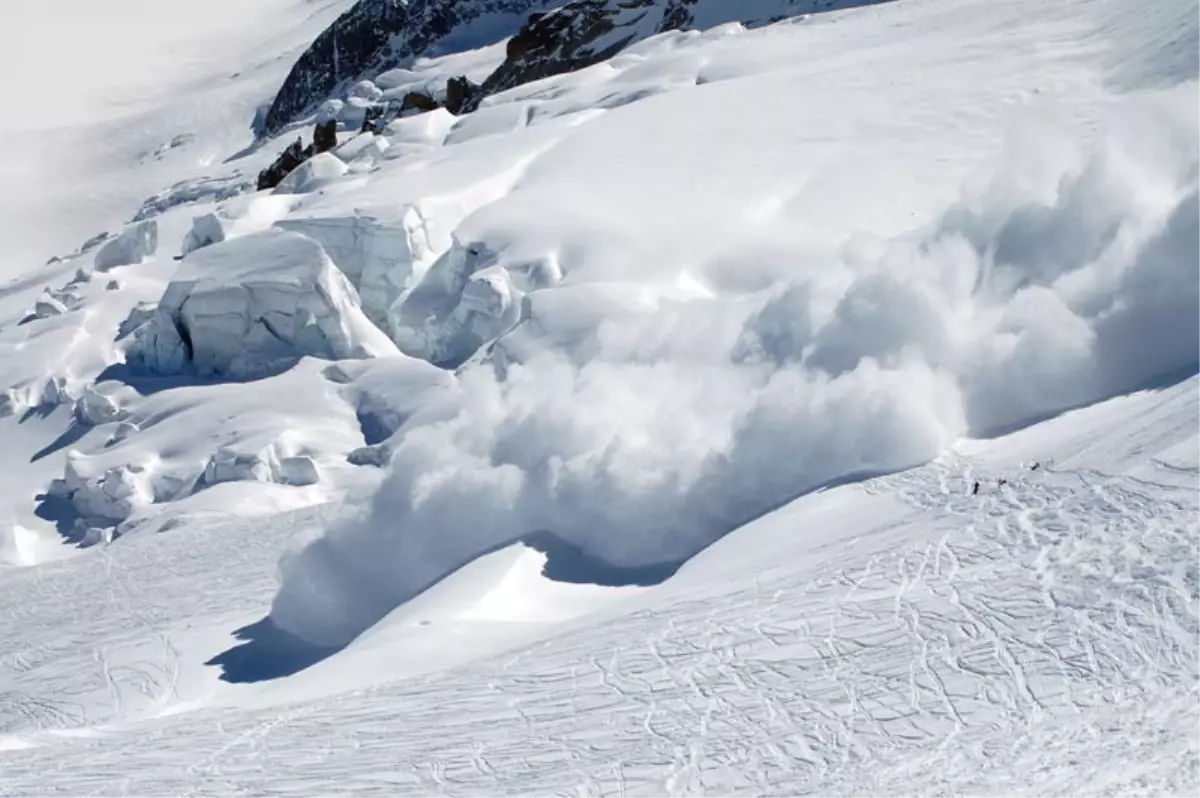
<point>267,652</point>
<point>567,562</point>
<point>67,520</point>
<point>150,384</point>
<point>68,437</point>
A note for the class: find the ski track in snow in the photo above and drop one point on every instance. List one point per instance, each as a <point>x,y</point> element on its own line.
<point>1029,635</point>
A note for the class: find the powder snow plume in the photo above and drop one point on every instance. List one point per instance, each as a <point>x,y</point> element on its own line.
<point>1068,276</point>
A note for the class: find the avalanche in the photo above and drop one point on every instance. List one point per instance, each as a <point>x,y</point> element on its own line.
<point>671,398</point>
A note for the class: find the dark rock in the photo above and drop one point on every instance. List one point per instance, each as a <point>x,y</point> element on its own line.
<point>375,35</point>
<point>325,136</point>
<point>295,154</point>
<point>461,95</point>
<point>417,101</point>
<point>375,119</point>
<point>570,38</point>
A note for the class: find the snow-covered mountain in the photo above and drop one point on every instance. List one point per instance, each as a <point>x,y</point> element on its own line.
<point>647,397</point>
<point>375,35</point>
<point>547,38</point>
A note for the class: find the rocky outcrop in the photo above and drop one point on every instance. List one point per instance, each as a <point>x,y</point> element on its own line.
<point>461,95</point>
<point>281,173</point>
<point>417,101</point>
<point>375,35</point>
<point>586,32</point>
<point>325,136</point>
<point>294,155</point>
<point>575,36</point>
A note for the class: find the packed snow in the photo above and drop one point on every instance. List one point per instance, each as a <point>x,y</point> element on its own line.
<point>804,408</point>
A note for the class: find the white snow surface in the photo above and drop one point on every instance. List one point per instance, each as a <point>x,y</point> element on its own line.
<point>808,409</point>
<point>252,306</point>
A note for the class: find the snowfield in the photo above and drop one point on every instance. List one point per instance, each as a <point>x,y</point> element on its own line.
<point>810,408</point>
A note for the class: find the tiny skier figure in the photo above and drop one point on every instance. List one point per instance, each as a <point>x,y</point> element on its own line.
<point>975,488</point>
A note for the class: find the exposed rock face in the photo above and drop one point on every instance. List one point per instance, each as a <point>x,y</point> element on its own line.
<point>325,136</point>
<point>375,35</point>
<point>251,307</point>
<point>417,101</point>
<point>578,35</point>
<point>461,95</point>
<point>586,32</point>
<point>373,119</point>
<point>288,160</point>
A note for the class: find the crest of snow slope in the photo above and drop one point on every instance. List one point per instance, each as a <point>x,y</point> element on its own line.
<point>735,376</point>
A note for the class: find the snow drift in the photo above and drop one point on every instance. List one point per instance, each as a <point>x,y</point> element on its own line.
<point>1070,275</point>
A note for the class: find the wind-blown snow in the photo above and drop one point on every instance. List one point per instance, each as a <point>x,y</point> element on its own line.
<point>1069,276</point>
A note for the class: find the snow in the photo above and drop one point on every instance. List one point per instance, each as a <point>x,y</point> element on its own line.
<point>318,171</point>
<point>207,229</point>
<point>251,306</point>
<point>133,245</point>
<point>380,259</point>
<point>622,436</point>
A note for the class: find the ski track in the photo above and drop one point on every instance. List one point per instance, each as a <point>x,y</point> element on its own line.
<point>1025,636</point>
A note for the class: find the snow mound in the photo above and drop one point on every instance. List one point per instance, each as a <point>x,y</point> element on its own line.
<point>135,243</point>
<point>251,307</point>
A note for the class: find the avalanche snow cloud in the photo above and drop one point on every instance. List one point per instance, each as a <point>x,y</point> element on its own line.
<point>649,429</point>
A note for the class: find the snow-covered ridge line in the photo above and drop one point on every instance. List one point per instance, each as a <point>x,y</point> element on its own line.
<point>377,36</point>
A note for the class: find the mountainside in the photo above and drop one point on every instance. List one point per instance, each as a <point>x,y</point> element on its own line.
<point>633,398</point>
<point>377,35</point>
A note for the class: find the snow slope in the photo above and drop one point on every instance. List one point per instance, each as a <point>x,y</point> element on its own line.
<point>745,345</point>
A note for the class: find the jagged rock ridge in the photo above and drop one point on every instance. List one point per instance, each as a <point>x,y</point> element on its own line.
<point>376,35</point>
